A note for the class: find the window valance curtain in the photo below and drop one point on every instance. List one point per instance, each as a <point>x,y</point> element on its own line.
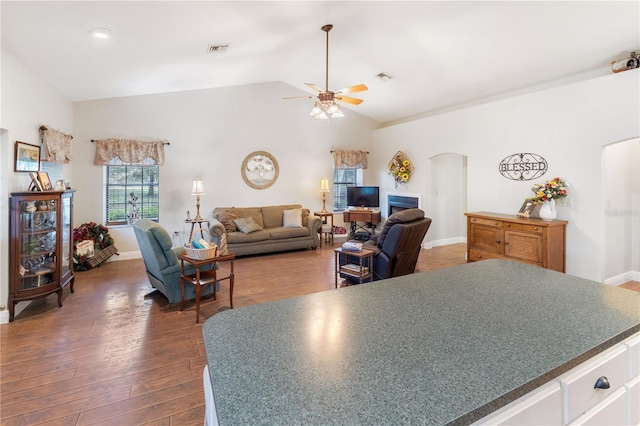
<point>349,159</point>
<point>113,152</point>
<point>56,145</point>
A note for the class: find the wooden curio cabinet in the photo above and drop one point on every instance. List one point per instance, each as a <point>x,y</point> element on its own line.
<point>41,257</point>
<point>529,240</point>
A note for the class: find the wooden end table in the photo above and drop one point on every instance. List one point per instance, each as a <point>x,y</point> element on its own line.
<point>204,278</point>
<point>323,234</point>
<point>198,222</point>
<point>361,271</point>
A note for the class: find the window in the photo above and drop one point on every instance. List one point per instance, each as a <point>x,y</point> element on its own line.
<point>342,178</point>
<point>122,181</point>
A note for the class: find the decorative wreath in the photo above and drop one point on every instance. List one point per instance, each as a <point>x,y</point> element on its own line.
<point>400,168</point>
<point>89,231</point>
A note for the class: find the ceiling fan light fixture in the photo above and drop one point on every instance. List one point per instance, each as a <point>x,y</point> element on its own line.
<point>323,110</point>
<point>333,109</point>
<point>337,114</point>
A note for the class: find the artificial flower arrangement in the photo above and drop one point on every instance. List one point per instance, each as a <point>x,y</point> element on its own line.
<point>550,190</point>
<point>89,231</point>
<point>400,168</point>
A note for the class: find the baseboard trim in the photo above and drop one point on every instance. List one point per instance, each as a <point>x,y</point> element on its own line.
<point>443,242</point>
<point>623,278</point>
<point>4,317</point>
<point>20,306</point>
<point>128,255</point>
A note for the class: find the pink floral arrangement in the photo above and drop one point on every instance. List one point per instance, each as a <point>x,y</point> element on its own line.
<point>551,189</point>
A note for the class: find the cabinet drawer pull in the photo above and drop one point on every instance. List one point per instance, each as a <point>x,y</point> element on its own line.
<point>602,383</point>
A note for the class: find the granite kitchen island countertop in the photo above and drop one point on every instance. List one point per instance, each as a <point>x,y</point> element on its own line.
<point>441,347</point>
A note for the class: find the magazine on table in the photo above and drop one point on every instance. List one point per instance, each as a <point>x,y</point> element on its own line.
<point>352,246</point>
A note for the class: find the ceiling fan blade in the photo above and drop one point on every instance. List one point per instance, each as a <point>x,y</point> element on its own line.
<point>349,100</point>
<point>353,89</point>
<point>300,97</point>
<point>314,87</point>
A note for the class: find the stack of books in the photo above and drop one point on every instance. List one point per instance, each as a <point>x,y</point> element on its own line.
<point>352,246</point>
<point>357,269</point>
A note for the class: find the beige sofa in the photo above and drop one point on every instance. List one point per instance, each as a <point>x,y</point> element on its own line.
<point>253,230</point>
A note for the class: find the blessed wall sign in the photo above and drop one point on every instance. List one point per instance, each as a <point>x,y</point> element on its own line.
<point>524,166</point>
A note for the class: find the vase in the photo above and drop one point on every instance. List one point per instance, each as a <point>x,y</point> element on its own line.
<point>548,210</point>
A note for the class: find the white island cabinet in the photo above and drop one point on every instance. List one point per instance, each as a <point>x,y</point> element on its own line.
<point>581,396</point>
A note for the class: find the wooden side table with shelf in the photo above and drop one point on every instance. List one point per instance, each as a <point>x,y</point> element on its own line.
<point>361,271</point>
<point>198,222</point>
<point>204,278</point>
<point>328,236</point>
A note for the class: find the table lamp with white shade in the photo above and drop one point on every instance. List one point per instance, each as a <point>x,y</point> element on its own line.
<point>324,188</point>
<point>197,190</point>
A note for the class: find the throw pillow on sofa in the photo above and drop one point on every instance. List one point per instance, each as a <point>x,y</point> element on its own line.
<point>292,218</point>
<point>226,218</point>
<point>247,225</point>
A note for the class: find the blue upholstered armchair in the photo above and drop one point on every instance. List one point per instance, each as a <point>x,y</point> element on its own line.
<point>161,261</point>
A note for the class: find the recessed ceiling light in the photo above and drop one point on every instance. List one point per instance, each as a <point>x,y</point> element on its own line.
<point>101,32</point>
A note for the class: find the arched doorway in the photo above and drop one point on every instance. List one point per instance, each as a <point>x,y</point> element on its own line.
<point>621,201</point>
<point>448,199</point>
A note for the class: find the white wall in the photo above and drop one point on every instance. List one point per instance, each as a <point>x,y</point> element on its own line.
<point>27,103</point>
<point>210,133</point>
<point>568,126</point>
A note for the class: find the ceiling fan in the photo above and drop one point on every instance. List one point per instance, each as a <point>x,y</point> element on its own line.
<point>326,106</point>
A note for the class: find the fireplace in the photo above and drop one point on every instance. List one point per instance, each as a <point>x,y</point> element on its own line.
<point>397,203</point>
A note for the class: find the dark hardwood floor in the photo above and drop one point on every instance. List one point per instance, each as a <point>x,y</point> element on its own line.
<point>112,356</point>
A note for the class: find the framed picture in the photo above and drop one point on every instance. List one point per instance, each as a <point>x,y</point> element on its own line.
<point>260,170</point>
<point>527,209</point>
<point>45,183</point>
<point>35,183</point>
<point>27,157</point>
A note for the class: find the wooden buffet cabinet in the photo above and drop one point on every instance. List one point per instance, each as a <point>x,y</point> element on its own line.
<point>530,240</point>
<point>41,257</point>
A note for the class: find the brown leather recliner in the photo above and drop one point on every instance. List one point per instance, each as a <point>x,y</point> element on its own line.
<point>398,245</point>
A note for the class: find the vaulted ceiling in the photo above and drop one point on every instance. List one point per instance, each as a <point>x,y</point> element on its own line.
<point>441,54</point>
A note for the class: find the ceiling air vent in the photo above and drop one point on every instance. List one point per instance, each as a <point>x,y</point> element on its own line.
<point>384,77</point>
<point>218,47</point>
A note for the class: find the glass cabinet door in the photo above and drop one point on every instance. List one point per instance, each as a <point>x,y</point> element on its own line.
<point>66,249</point>
<point>37,243</point>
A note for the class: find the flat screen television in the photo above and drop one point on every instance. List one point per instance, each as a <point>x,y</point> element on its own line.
<point>363,196</point>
